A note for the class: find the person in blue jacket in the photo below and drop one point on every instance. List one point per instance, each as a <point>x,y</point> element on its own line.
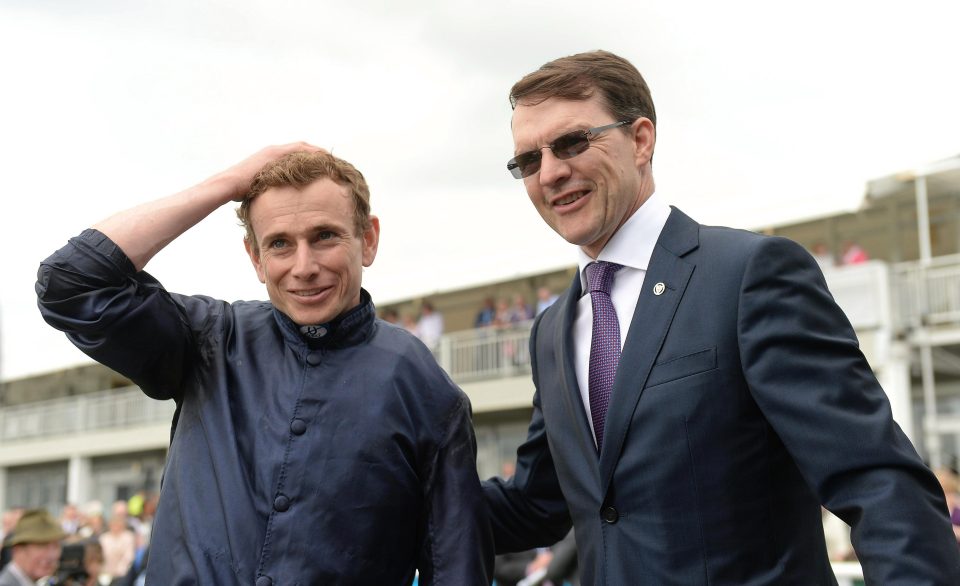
<point>313,443</point>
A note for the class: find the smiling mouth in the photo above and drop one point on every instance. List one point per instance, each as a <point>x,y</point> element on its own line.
<point>308,292</point>
<point>570,198</point>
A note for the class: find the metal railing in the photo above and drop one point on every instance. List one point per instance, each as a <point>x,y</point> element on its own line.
<point>927,294</point>
<point>466,356</point>
<point>921,294</point>
<point>115,409</point>
<point>486,353</point>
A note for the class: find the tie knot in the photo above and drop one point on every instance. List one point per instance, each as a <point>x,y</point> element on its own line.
<point>600,275</point>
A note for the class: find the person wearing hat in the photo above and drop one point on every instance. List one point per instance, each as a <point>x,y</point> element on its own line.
<point>36,549</point>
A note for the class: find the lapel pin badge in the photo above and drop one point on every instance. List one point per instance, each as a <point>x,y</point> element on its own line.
<point>659,288</point>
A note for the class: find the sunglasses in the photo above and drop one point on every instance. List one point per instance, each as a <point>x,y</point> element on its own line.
<point>564,147</point>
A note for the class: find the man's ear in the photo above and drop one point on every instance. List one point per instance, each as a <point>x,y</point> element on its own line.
<point>644,140</point>
<point>371,240</point>
<point>254,252</point>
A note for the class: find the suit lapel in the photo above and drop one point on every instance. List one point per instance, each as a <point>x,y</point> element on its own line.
<point>648,329</point>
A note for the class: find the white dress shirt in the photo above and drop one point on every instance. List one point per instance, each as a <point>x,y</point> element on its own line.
<point>631,246</point>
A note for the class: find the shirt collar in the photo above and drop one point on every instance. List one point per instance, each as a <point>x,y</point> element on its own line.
<point>19,574</point>
<point>346,329</point>
<point>632,245</point>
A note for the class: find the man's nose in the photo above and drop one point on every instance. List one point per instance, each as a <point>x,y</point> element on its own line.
<point>304,263</point>
<point>552,168</point>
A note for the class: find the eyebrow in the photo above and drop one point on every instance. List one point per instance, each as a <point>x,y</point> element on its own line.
<point>314,230</point>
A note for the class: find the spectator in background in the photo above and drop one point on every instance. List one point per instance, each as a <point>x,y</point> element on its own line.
<point>822,255</point>
<point>486,315</point>
<point>146,523</point>
<point>949,481</point>
<point>430,326</point>
<point>35,549</point>
<point>545,298</point>
<point>409,323</point>
<point>853,254</point>
<point>501,316</point>
<point>510,568</point>
<point>91,520</point>
<point>390,315</point>
<point>93,565</point>
<point>7,523</point>
<point>520,311</point>
<point>70,519</point>
<point>135,510</point>
<point>119,542</point>
<point>81,564</point>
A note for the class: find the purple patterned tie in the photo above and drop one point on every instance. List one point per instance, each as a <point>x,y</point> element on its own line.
<point>604,343</point>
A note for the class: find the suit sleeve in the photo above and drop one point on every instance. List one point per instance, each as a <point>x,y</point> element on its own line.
<point>806,372</point>
<point>528,510</point>
<point>457,547</point>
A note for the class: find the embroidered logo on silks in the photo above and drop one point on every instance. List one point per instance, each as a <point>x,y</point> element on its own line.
<point>314,332</point>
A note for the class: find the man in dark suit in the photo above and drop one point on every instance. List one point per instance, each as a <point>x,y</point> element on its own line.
<point>694,410</point>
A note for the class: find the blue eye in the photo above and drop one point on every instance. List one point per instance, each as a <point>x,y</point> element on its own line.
<point>325,235</point>
<point>277,244</point>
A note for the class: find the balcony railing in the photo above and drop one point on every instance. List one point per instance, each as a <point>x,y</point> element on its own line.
<point>920,294</point>
<point>486,353</point>
<point>127,407</point>
<point>927,294</point>
<point>467,356</point>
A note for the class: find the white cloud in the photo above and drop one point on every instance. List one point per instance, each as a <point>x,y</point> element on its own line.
<point>767,112</point>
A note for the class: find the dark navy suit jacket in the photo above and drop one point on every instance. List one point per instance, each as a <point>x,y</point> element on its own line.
<point>741,403</point>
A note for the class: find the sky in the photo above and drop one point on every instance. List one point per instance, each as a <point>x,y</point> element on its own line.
<point>768,112</point>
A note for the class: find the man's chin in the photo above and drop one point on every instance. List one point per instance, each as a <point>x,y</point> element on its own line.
<point>307,320</point>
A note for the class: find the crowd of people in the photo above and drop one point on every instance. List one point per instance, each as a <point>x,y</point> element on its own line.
<point>428,326</point>
<point>851,254</point>
<point>85,546</point>
<point>428,323</point>
<point>81,548</point>
<point>509,311</point>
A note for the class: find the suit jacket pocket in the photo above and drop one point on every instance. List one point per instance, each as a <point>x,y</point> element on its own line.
<point>675,368</point>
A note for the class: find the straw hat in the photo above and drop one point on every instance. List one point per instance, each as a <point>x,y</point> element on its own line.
<point>36,526</point>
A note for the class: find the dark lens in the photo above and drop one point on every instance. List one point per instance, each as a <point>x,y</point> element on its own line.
<point>527,163</point>
<point>570,145</point>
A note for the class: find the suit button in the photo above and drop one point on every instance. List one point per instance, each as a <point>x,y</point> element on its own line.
<point>281,503</point>
<point>610,515</point>
<point>264,581</point>
<point>298,426</point>
<point>313,358</point>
